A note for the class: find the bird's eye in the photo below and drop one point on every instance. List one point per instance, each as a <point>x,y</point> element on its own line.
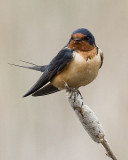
<point>86,38</point>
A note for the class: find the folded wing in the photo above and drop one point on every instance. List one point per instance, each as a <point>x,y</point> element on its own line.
<point>54,67</point>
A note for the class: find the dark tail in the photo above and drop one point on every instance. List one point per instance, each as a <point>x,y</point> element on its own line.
<point>48,89</point>
<point>34,67</point>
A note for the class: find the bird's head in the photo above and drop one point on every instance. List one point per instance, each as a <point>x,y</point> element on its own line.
<point>82,40</point>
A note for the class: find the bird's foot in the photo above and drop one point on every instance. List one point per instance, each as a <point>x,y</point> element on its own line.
<point>74,92</point>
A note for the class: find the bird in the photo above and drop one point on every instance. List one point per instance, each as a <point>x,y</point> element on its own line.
<point>77,64</point>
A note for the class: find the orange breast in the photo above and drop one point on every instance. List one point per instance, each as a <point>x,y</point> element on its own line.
<point>88,55</point>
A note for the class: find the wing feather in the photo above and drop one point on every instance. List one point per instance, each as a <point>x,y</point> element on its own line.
<point>54,67</point>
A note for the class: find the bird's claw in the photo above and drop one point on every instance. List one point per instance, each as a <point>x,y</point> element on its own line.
<point>74,92</point>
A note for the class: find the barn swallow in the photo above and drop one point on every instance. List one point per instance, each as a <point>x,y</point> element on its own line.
<point>77,64</point>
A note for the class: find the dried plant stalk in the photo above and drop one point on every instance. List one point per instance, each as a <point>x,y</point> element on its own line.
<point>88,119</point>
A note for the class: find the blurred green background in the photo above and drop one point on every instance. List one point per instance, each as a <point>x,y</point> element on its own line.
<point>46,128</point>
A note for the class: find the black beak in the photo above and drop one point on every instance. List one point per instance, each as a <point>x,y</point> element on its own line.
<point>77,39</point>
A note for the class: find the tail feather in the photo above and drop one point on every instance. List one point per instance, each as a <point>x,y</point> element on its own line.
<point>48,89</point>
<point>28,62</point>
<point>34,67</point>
